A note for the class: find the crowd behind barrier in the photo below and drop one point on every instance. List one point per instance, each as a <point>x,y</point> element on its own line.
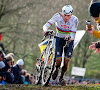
<point>77,81</point>
<point>13,73</point>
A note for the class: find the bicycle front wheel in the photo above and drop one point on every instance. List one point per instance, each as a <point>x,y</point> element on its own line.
<point>48,67</point>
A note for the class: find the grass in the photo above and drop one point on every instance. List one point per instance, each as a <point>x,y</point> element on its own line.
<point>57,87</point>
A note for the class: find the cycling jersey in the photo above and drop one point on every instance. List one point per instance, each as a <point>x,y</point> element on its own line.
<point>63,29</point>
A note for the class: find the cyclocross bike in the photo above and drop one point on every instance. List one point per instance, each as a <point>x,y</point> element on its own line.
<point>46,62</point>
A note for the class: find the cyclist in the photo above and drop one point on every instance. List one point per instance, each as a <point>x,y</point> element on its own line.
<point>94,10</point>
<point>66,26</point>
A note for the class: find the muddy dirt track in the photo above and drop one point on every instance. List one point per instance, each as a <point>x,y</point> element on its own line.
<point>53,87</point>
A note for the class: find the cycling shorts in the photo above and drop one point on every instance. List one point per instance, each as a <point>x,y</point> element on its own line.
<point>60,43</point>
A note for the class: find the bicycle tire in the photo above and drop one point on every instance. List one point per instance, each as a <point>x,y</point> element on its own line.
<point>39,68</point>
<point>46,68</point>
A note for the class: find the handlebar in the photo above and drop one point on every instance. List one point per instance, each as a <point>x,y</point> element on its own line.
<point>48,33</point>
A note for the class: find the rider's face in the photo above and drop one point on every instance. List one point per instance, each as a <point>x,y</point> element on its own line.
<point>66,17</point>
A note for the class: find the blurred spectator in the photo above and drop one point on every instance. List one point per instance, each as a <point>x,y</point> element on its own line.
<point>23,75</point>
<point>23,72</point>
<point>94,12</point>
<point>97,82</point>
<point>27,79</point>
<point>73,81</point>
<point>8,60</point>
<point>2,65</point>
<point>4,80</point>
<point>11,55</point>
<point>1,56</point>
<point>2,73</point>
<point>32,79</point>
<point>16,71</point>
<point>2,70</point>
<point>10,76</point>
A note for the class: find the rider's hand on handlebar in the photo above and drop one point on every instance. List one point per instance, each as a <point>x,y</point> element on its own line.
<point>68,38</point>
<point>45,33</point>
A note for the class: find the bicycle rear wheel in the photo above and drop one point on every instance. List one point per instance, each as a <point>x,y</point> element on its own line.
<point>38,68</point>
<point>48,67</point>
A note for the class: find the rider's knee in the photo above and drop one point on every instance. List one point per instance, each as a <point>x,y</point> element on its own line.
<point>58,61</point>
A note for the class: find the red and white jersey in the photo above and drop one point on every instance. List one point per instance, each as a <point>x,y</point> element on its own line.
<point>63,29</point>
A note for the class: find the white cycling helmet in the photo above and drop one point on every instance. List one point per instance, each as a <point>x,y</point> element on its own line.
<point>67,10</point>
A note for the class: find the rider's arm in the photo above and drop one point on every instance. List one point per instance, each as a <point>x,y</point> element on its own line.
<point>50,22</point>
<point>74,28</point>
<point>96,34</point>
